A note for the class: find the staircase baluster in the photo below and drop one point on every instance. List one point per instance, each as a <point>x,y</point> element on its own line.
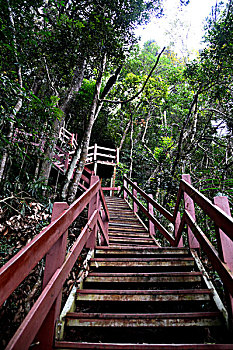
<point>151,211</point>
<point>124,186</point>
<point>225,246</point>
<point>135,207</point>
<point>189,206</point>
<point>93,205</point>
<point>177,225</point>
<point>54,259</point>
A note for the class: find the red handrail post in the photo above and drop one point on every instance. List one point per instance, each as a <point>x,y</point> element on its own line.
<point>135,207</point>
<point>54,259</point>
<point>225,244</point>
<point>177,225</point>
<point>189,206</point>
<point>151,211</point>
<point>66,165</point>
<point>124,186</point>
<point>105,223</point>
<point>93,205</point>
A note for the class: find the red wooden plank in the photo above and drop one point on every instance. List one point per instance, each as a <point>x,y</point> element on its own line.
<point>135,207</point>
<point>54,259</point>
<point>189,206</point>
<point>111,188</point>
<point>33,321</point>
<point>88,170</point>
<point>177,225</point>
<point>157,224</point>
<point>84,178</point>
<point>17,268</point>
<point>225,243</point>
<point>104,204</point>
<point>221,219</point>
<point>156,205</point>
<point>151,211</point>
<point>222,269</point>
<point>103,230</point>
<point>93,205</point>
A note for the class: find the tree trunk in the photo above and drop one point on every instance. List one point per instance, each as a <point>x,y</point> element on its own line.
<point>19,102</point>
<point>131,147</point>
<point>124,134</point>
<point>85,142</point>
<point>75,87</point>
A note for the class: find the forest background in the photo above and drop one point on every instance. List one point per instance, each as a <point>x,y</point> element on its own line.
<point>78,64</point>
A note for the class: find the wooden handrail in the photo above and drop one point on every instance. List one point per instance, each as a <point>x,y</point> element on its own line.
<point>105,207</point>
<point>19,267</point>
<point>157,224</point>
<point>33,321</point>
<point>156,205</point>
<point>222,268</point>
<point>221,220</point>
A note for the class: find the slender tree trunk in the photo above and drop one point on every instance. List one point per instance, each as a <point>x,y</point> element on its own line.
<point>19,102</point>
<point>85,141</point>
<point>131,147</point>
<point>75,87</point>
<point>77,155</point>
<point>179,150</point>
<point>124,134</point>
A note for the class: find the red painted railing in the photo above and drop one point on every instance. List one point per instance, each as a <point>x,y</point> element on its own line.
<point>219,213</point>
<point>65,150</point>
<point>51,242</point>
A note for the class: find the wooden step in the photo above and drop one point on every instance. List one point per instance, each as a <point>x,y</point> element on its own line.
<point>120,224</point>
<point>131,244</point>
<point>137,262</point>
<point>149,277</point>
<point>126,228</point>
<point>141,251</point>
<point>129,240</point>
<point>128,234</point>
<point>143,295</point>
<point>127,245</point>
<point>191,319</point>
<point>64,345</point>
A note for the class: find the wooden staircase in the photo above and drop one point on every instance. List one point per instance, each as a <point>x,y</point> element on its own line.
<point>138,295</point>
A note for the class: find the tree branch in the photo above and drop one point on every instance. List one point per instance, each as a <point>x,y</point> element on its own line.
<point>143,87</point>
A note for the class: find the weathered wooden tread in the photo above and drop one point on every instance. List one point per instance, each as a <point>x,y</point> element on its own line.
<point>155,248</point>
<point>115,244</point>
<point>189,319</point>
<point>144,295</point>
<point>143,240</point>
<point>142,277</point>
<point>123,224</point>
<point>127,245</point>
<point>142,261</point>
<point>140,251</point>
<point>122,234</point>
<point>64,345</point>
<point>127,229</point>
